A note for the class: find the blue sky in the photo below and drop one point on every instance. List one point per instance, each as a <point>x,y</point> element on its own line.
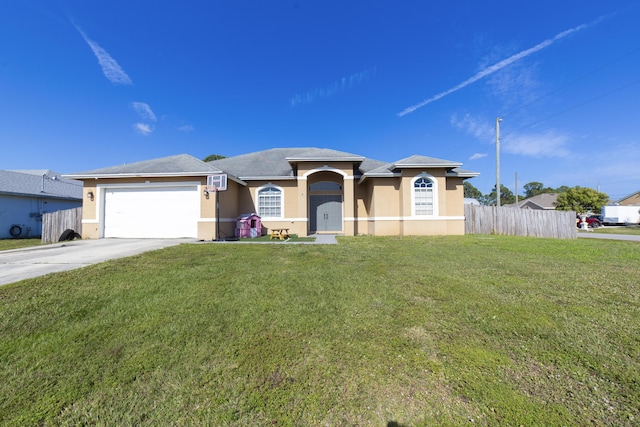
<point>85,85</point>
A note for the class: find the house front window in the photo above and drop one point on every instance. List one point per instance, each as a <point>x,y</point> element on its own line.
<point>270,202</point>
<point>423,197</point>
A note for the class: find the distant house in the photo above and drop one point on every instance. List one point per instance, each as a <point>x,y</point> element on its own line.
<point>545,202</point>
<point>471,201</point>
<point>632,199</point>
<point>26,195</point>
<point>304,190</point>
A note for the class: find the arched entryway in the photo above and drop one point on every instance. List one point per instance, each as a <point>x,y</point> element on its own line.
<point>325,203</point>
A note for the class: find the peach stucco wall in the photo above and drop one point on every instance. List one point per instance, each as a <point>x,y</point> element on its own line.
<point>376,206</point>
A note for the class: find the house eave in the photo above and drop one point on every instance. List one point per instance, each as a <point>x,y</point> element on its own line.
<point>425,165</point>
<point>379,175</point>
<point>357,159</point>
<point>269,178</point>
<point>40,196</point>
<point>462,175</point>
<point>148,175</point>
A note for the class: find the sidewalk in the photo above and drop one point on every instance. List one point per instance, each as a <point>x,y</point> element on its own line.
<point>628,237</point>
<point>325,239</point>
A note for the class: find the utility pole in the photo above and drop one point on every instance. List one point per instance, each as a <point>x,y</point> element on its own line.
<point>498,120</point>
<point>516,189</point>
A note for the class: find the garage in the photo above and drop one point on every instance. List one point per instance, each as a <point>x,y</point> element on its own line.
<point>167,211</point>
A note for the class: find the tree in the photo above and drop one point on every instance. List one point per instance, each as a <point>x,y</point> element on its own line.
<point>581,200</point>
<point>532,189</point>
<point>212,157</point>
<point>471,191</point>
<point>506,197</point>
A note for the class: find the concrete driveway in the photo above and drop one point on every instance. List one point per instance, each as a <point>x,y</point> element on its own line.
<point>20,264</point>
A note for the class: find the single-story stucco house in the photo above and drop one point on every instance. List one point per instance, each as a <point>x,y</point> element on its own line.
<point>632,199</point>
<point>542,202</point>
<point>26,195</point>
<point>306,190</point>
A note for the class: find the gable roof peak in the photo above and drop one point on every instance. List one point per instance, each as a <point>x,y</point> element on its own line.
<point>324,154</point>
<point>419,161</point>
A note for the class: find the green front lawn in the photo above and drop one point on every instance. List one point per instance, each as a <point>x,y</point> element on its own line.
<point>7,244</point>
<point>293,238</point>
<point>470,330</point>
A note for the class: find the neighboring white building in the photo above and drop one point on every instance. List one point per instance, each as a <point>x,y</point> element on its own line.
<point>26,195</point>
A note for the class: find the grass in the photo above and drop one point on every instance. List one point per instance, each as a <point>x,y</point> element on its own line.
<point>7,244</point>
<point>482,330</point>
<point>628,229</point>
<point>292,239</point>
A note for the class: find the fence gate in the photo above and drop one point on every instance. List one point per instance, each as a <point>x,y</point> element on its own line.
<point>55,223</point>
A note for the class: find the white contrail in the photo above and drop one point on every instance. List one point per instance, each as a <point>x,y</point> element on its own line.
<point>112,71</point>
<point>345,83</point>
<point>493,68</point>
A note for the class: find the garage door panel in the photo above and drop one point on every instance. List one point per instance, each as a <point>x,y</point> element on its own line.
<point>161,212</point>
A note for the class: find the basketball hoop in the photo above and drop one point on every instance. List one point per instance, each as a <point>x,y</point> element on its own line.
<point>216,183</point>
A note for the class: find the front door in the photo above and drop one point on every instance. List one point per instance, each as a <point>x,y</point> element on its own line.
<point>326,213</point>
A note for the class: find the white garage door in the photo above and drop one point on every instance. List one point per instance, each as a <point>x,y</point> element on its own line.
<point>157,212</point>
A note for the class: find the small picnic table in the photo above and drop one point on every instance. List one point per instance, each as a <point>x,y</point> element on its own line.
<point>279,233</point>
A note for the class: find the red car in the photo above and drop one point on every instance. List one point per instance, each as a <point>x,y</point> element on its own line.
<point>592,221</point>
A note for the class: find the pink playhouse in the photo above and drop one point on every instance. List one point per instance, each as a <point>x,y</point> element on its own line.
<point>248,225</point>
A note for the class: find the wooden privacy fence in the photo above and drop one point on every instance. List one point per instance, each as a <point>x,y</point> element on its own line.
<point>519,222</point>
<point>55,223</point>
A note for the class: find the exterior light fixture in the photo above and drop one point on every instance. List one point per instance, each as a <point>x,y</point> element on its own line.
<point>90,195</point>
<point>206,194</point>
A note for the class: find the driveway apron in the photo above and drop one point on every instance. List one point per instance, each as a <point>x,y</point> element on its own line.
<point>20,264</point>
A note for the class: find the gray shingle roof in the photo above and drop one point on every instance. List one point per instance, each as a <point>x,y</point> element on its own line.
<point>541,201</point>
<point>325,154</point>
<point>277,162</point>
<point>179,165</point>
<point>42,183</point>
<point>267,163</point>
<point>417,161</point>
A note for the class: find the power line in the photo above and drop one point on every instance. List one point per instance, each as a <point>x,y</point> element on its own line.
<point>582,77</point>
<point>578,105</point>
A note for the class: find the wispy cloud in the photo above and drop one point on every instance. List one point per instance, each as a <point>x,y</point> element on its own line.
<point>479,127</point>
<point>496,67</point>
<point>144,111</point>
<point>477,156</point>
<point>112,71</point>
<point>334,88</point>
<point>143,128</point>
<point>186,128</point>
<point>546,144</point>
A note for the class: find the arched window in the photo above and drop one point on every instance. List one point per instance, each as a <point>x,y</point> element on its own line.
<point>423,196</point>
<point>270,202</point>
<point>325,186</point>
